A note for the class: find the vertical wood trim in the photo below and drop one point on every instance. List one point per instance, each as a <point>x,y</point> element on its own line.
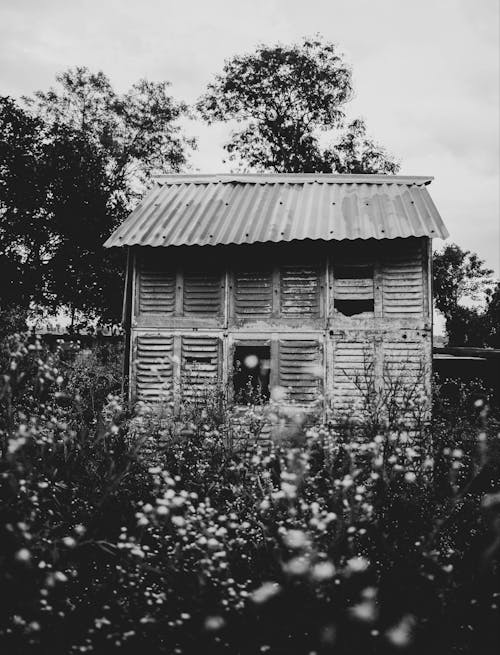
<point>276,301</point>
<point>133,368</point>
<point>274,377</point>
<point>425,278</point>
<point>378,288</point>
<point>176,371</point>
<point>179,292</point>
<point>224,364</point>
<point>323,282</point>
<point>226,297</point>
<point>378,362</point>
<point>329,288</point>
<point>127,319</point>
<point>231,310</point>
<point>229,358</point>
<point>136,288</point>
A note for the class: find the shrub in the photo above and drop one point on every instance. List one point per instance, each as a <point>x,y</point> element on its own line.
<point>328,539</point>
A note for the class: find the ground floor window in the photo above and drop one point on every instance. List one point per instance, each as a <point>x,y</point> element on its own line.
<point>251,373</point>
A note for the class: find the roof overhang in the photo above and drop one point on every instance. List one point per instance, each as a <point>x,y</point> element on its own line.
<point>258,208</point>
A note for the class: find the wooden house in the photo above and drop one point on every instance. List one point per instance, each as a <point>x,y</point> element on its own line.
<point>311,285</point>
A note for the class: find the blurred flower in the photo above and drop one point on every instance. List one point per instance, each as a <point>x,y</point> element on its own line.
<point>400,635</point>
<point>265,592</point>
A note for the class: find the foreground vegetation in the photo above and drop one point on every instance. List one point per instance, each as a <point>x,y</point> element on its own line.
<point>121,533</point>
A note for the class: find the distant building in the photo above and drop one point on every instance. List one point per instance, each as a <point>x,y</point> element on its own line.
<point>311,284</point>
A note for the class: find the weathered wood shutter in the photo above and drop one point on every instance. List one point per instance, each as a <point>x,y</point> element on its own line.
<point>300,369</point>
<point>156,286</point>
<point>404,362</point>
<point>353,282</point>
<point>300,291</point>
<point>353,373</point>
<point>202,293</point>
<point>403,293</point>
<point>154,368</point>
<point>199,366</point>
<point>253,293</point>
<point>406,377</point>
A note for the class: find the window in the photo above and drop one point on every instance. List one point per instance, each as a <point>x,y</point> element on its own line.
<point>353,290</point>
<point>251,372</point>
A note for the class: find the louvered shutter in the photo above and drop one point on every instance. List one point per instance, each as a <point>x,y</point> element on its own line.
<point>300,291</point>
<point>403,293</point>
<point>156,286</point>
<point>404,361</point>
<point>202,294</point>
<point>353,373</point>
<point>353,282</point>
<point>154,368</point>
<point>300,369</point>
<point>199,366</point>
<point>253,293</point>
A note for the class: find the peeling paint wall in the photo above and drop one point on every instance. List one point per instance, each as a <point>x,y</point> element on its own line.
<point>192,306</point>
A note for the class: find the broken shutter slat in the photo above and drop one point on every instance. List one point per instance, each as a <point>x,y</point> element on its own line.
<point>253,294</point>
<point>156,287</point>
<point>202,294</point>
<point>154,368</point>
<point>300,369</point>
<point>300,291</point>
<point>199,366</point>
<point>403,293</point>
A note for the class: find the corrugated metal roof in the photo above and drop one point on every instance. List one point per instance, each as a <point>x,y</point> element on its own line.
<point>223,209</point>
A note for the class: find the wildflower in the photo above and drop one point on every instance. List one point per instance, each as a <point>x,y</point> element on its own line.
<point>69,542</point>
<point>296,539</point>
<point>265,592</point>
<point>23,555</point>
<point>410,476</point>
<point>323,571</point>
<point>297,566</point>
<point>214,623</point>
<point>400,635</point>
<point>358,564</point>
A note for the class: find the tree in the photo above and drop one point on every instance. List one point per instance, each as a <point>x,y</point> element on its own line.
<point>461,283</point>
<point>75,158</point>
<point>284,97</point>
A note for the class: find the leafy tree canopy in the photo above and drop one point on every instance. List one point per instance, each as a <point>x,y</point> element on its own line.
<point>463,293</point>
<point>284,97</point>
<point>71,162</point>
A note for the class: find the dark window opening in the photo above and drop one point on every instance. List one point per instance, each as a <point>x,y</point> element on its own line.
<point>251,371</point>
<point>354,307</point>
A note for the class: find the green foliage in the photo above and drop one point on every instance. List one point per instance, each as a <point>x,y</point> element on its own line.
<point>71,163</point>
<point>285,96</point>
<point>354,542</point>
<point>461,282</point>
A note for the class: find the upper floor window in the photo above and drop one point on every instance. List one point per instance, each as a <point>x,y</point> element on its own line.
<point>353,289</point>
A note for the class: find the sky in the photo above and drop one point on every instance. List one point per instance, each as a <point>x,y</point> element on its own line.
<point>426,75</point>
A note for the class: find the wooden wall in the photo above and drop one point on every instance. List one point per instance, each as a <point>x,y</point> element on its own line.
<point>338,317</point>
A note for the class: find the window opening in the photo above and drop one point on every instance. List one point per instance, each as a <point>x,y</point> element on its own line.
<point>353,290</point>
<point>251,373</point>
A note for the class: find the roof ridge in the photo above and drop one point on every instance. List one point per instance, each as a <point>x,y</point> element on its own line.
<point>292,178</point>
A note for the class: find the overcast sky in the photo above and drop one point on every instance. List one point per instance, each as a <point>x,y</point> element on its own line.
<point>426,74</point>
